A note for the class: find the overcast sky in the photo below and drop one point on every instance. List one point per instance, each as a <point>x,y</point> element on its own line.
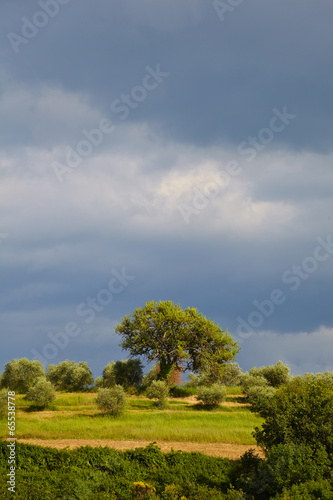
<point>167,150</point>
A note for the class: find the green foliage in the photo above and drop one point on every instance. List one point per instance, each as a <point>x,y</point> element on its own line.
<point>98,384</point>
<point>109,377</point>
<point>128,373</point>
<point>176,338</point>
<point>158,390</point>
<point>42,392</point>
<point>70,376</point>
<point>300,412</point>
<point>232,374</point>
<point>212,396</point>
<point>3,401</point>
<point>259,397</point>
<point>248,381</point>
<point>20,374</point>
<point>150,376</point>
<point>319,490</point>
<point>182,391</point>
<point>275,375</point>
<point>285,465</point>
<point>143,490</point>
<point>112,400</point>
<point>104,473</point>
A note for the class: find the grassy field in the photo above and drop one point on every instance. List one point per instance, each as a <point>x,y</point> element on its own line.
<point>74,416</point>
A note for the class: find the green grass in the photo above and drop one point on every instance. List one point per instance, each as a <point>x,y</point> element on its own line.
<point>75,416</point>
<point>197,427</point>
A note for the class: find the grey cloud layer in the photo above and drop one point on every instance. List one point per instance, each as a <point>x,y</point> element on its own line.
<point>120,206</point>
<point>225,77</point>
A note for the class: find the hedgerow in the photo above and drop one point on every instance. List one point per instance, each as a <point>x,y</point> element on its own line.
<point>101,473</point>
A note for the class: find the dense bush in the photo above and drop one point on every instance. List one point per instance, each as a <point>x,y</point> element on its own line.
<point>232,374</point>
<point>259,397</point>
<point>300,412</point>
<point>42,392</point>
<point>275,375</point>
<point>158,390</point>
<point>310,490</point>
<point>20,374</point>
<point>104,473</point>
<point>112,400</point>
<point>249,381</point>
<point>70,376</point>
<point>285,465</point>
<point>212,396</point>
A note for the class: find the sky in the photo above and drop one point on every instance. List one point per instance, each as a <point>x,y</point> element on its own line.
<point>175,150</point>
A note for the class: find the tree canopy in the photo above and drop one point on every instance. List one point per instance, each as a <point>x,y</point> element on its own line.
<point>70,376</point>
<point>177,338</point>
<point>20,374</point>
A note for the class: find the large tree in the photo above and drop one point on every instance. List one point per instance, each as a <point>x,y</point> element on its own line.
<point>176,338</point>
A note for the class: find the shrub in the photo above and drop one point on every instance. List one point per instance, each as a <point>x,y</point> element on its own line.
<point>307,491</point>
<point>158,390</point>
<point>232,374</point>
<point>20,374</point>
<point>285,465</point>
<point>143,490</point>
<point>198,380</point>
<point>249,380</point>
<point>300,412</point>
<point>41,393</point>
<point>112,400</point>
<point>275,375</point>
<point>212,396</point>
<point>70,376</point>
<point>259,397</point>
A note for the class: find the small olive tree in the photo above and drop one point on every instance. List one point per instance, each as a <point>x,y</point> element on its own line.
<point>158,390</point>
<point>112,401</point>
<point>41,393</point>
<point>212,396</point>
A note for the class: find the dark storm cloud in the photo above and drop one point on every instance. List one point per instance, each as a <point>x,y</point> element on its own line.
<point>225,77</point>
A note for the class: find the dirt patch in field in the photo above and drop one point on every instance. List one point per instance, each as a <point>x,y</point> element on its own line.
<point>223,450</point>
<point>193,400</point>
